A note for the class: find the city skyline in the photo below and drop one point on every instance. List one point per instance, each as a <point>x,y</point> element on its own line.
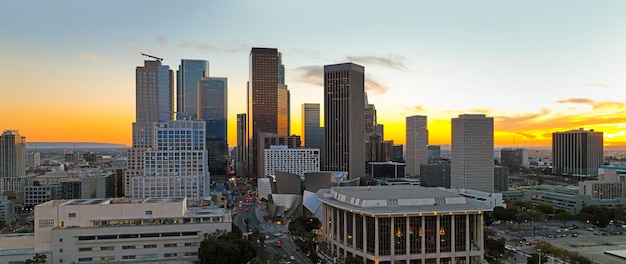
<point>536,67</point>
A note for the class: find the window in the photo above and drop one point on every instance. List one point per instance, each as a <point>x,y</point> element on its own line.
<point>60,250</point>
<point>84,249</point>
<point>85,259</point>
<point>107,248</point>
<point>46,223</point>
<point>129,236</point>
<point>128,247</point>
<point>107,237</point>
<point>71,215</point>
<point>129,257</point>
<point>60,239</point>
<point>150,235</point>
<point>150,246</point>
<point>147,256</point>
<point>170,245</point>
<point>107,258</point>
<point>191,244</point>
<point>87,238</point>
<point>191,253</point>
<point>148,212</point>
<point>170,234</point>
<point>190,233</point>
<point>170,255</point>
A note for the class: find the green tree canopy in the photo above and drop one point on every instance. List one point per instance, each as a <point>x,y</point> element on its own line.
<point>225,247</point>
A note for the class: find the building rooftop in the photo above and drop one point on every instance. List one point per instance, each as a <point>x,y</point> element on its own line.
<point>398,199</point>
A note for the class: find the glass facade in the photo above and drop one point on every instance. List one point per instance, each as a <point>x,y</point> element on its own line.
<point>213,109</point>
<point>188,74</point>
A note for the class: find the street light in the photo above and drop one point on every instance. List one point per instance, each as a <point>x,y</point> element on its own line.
<point>539,250</point>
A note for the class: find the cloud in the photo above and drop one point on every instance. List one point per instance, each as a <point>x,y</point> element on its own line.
<point>313,74</point>
<point>576,101</point>
<point>161,40</point>
<point>211,48</point>
<point>374,87</point>
<point>92,57</point>
<point>390,61</point>
<point>600,85</point>
<point>595,104</point>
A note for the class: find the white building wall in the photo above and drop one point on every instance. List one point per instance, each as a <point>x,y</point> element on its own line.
<point>296,161</point>
<point>472,153</point>
<point>416,144</point>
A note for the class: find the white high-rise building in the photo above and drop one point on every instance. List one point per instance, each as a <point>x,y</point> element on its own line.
<point>178,165</point>
<point>472,153</point>
<point>296,161</point>
<point>416,144</point>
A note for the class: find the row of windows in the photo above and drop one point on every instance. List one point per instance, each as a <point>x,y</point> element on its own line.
<point>144,235</point>
<point>144,256</point>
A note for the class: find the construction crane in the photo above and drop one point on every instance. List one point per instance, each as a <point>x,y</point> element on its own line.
<point>154,57</point>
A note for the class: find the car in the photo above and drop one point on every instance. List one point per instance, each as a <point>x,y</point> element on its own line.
<point>284,256</point>
<point>528,243</point>
<point>292,258</point>
<point>574,235</point>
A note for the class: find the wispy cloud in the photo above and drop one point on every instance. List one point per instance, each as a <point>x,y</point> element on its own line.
<point>211,48</point>
<point>92,57</point>
<point>599,85</point>
<point>576,101</point>
<point>314,74</point>
<point>161,40</point>
<point>372,86</point>
<point>390,61</point>
<point>595,104</point>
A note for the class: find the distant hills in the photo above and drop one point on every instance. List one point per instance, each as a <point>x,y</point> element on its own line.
<point>70,145</point>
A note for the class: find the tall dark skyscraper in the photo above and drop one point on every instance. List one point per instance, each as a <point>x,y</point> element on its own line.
<point>213,109</point>
<point>241,159</point>
<point>312,132</point>
<point>577,152</point>
<point>187,77</point>
<point>154,102</point>
<point>344,119</point>
<point>268,100</point>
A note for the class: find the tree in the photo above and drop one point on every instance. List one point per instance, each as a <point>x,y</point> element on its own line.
<point>37,259</point>
<point>563,216</point>
<point>544,208</point>
<point>276,257</point>
<point>247,221</point>
<point>354,260</point>
<point>225,247</point>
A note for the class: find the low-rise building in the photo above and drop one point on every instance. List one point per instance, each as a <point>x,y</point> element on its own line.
<point>402,224</point>
<point>153,230</point>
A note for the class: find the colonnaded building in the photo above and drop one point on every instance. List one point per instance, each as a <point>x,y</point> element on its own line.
<point>402,224</point>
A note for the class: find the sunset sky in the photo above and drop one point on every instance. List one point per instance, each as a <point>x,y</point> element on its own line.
<point>67,67</point>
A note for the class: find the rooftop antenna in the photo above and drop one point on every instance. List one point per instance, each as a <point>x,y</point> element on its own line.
<point>150,56</point>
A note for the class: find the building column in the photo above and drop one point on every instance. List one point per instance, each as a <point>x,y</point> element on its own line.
<point>423,238</point>
<point>452,236</point>
<point>468,243</point>
<point>376,238</point>
<point>437,235</point>
<point>481,242</point>
<point>393,237</point>
<point>344,230</point>
<point>407,238</point>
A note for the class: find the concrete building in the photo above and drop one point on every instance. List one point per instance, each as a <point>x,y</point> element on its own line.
<point>154,102</point>
<point>344,118</point>
<point>267,140</point>
<point>153,230</point>
<point>187,77</point>
<point>559,198</point>
<point>577,152</point>
<point>397,153</point>
<point>472,153</point>
<point>406,223</point>
<point>38,194</point>
<point>12,161</point>
<point>296,161</point>
<point>7,210</point>
<point>514,158</point>
<point>268,102</point>
<point>611,183</point>
<point>213,110</point>
<point>387,169</point>
<point>33,159</point>
<point>178,165</point>
<point>436,174</point>
<point>416,143</point>
<point>501,178</point>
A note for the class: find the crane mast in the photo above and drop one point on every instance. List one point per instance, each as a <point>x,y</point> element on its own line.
<point>154,57</point>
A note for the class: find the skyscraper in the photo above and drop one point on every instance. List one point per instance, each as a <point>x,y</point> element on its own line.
<point>213,109</point>
<point>12,161</point>
<point>416,143</point>
<point>241,159</point>
<point>187,77</point>
<point>472,153</point>
<point>312,133</point>
<point>268,100</point>
<point>344,119</point>
<point>154,102</point>
<point>577,152</point>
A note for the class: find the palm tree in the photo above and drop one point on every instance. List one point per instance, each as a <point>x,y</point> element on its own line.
<point>247,221</point>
